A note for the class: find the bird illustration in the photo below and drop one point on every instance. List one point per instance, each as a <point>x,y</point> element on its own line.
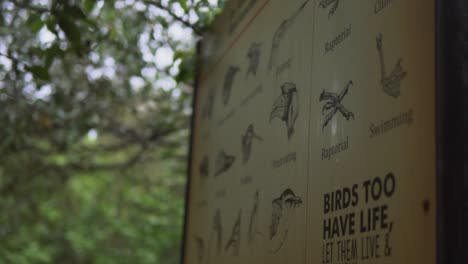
<point>281,209</point>
<point>204,168</point>
<point>234,240</point>
<point>223,162</point>
<point>200,246</point>
<point>218,229</point>
<point>246,141</point>
<point>391,84</point>
<point>253,218</point>
<point>228,82</point>
<point>286,107</point>
<point>281,32</point>
<point>287,199</point>
<point>254,58</point>
<point>207,110</point>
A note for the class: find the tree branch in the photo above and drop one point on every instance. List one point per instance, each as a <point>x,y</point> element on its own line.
<point>30,7</point>
<point>186,23</point>
<point>80,166</point>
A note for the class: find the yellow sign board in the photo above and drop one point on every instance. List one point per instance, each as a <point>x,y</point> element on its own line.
<point>314,134</point>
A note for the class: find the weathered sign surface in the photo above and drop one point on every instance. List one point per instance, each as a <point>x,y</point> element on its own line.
<point>314,134</point>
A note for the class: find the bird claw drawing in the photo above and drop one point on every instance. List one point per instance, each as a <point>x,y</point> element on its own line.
<point>223,162</point>
<point>391,84</point>
<point>335,104</point>
<point>286,107</point>
<point>326,3</point>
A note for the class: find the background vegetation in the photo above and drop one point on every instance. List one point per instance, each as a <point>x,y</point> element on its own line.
<point>95,101</point>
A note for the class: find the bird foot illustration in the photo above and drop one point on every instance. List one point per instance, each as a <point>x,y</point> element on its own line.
<point>223,162</point>
<point>334,104</point>
<point>391,84</point>
<point>326,3</point>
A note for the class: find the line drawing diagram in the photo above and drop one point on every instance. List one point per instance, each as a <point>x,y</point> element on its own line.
<point>391,84</point>
<point>207,111</point>
<point>280,33</point>
<point>218,230</point>
<point>327,3</point>
<point>228,82</point>
<point>254,58</point>
<point>253,219</point>
<point>234,240</point>
<point>200,248</point>
<point>223,162</point>
<point>286,107</point>
<point>204,168</point>
<point>282,208</point>
<point>246,141</point>
<point>334,104</point>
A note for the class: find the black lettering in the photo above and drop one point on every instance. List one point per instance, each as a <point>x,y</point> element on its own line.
<point>338,200</point>
<point>376,194</point>
<point>389,185</point>
<point>366,186</point>
<point>355,200</point>
<point>326,228</point>
<point>326,203</point>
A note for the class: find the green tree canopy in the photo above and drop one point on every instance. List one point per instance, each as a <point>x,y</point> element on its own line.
<point>95,101</point>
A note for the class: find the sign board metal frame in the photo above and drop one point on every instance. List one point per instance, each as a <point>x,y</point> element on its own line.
<point>451,140</point>
<point>452,121</point>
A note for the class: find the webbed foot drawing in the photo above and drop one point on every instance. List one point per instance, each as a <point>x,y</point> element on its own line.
<point>391,84</point>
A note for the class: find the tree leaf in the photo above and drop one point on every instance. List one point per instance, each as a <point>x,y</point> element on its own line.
<point>88,5</point>
<point>51,22</point>
<point>71,30</point>
<point>35,23</point>
<point>74,11</point>
<point>39,72</point>
<point>51,53</point>
<point>184,5</point>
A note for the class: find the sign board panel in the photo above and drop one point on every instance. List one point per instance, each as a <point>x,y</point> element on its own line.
<point>314,134</point>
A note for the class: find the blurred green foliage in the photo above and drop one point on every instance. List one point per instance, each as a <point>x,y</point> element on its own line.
<point>95,101</point>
